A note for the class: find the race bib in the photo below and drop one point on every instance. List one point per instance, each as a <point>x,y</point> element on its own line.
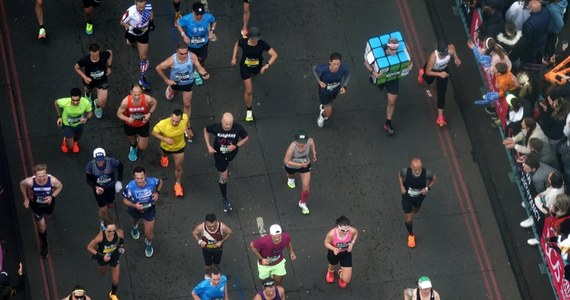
<point>41,200</point>
<point>73,120</point>
<point>103,179</point>
<point>332,86</point>
<point>413,192</point>
<point>97,74</point>
<point>197,40</point>
<point>224,149</point>
<point>147,205</point>
<point>342,246</point>
<point>211,244</point>
<point>300,159</point>
<point>251,62</point>
<point>182,76</point>
<point>137,116</point>
<point>272,259</point>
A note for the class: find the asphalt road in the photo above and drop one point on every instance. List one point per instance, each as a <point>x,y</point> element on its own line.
<point>471,247</point>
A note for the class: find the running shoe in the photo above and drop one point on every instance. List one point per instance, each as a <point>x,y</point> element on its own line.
<point>133,153</point>
<point>42,34</point>
<point>227,205</point>
<point>532,242</point>
<point>98,110</point>
<point>527,223</point>
<point>135,233</point>
<point>304,209</point>
<point>144,84</point>
<point>75,148</point>
<point>388,129</point>
<point>178,190</point>
<point>113,296</point>
<point>44,252</point>
<point>411,241</point>
<point>197,79</point>
<point>421,77</point>
<point>440,121</point>
<point>88,28</point>
<point>523,204</point>
<point>291,183</point>
<point>244,33</point>
<point>249,116</point>
<point>169,93</point>
<point>164,161</point>
<point>88,97</point>
<point>149,251</point>
<point>341,282</point>
<point>330,276</point>
<point>64,147</point>
<point>320,120</point>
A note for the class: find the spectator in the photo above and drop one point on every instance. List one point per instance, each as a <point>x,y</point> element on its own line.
<point>491,50</point>
<point>518,13</point>
<point>493,22</point>
<point>538,172</point>
<point>505,81</point>
<point>513,42</point>
<point>515,115</point>
<point>552,118</point>
<point>564,152</point>
<point>544,152</point>
<point>530,129</point>
<point>556,8</point>
<point>535,31</point>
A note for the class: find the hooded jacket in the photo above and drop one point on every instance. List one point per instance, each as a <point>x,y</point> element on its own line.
<point>514,45</point>
<point>556,10</point>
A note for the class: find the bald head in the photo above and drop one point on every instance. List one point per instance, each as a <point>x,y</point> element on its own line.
<point>227,121</point>
<point>534,6</point>
<point>416,166</point>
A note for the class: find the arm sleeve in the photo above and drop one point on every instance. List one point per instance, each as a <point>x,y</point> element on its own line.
<point>120,171</point>
<point>317,72</point>
<point>91,180</point>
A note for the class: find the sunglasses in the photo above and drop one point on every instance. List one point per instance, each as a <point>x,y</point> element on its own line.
<point>343,229</point>
<point>269,284</point>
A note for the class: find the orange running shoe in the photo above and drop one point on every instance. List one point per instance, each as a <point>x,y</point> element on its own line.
<point>440,121</point>
<point>64,147</point>
<point>412,241</point>
<point>75,148</point>
<point>178,191</point>
<point>164,161</point>
<point>330,276</point>
<point>341,282</point>
<point>421,77</point>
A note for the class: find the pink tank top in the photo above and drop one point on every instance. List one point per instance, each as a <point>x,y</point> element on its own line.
<point>341,243</point>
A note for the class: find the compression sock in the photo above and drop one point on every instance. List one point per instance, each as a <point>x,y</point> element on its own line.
<point>304,196</point>
<point>224,189</point>
<point>410,228</point>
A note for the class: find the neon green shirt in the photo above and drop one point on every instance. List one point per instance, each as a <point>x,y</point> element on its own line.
<point>71,114</point>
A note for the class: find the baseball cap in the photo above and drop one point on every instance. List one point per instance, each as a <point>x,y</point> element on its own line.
<point>442,48</point>
<point>199,8</point>
<point>254,32</point>
<point>424,282</point>
<point>302,136</point>
<point>99,154</point>
<point>275,229</point>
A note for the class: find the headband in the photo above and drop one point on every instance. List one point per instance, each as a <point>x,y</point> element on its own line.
<point>487,43</point>
<point>393,46</point>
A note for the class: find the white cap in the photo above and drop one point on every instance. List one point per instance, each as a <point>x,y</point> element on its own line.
<point>275,229</point>
<point>99,153</point>
<point>424,282</point>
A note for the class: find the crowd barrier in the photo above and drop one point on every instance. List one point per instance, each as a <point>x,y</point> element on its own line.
<point>553,260</point>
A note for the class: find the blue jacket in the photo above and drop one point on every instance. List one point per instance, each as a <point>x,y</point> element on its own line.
<point>556,10</point>
<point>536,27</point>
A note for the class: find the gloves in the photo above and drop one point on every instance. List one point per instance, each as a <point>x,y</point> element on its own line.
<point>151,26</point>
<point>137,30</point>
<point>118,187</point>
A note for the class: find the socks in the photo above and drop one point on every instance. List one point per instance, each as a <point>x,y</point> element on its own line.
<point>114,288</point>
<point>224,189</point>
<point>248,107</point>
<point>410,228</point>
<point>143,64</point>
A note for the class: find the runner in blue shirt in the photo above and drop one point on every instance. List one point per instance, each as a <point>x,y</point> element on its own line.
<point>213,287</point>
<point>140,195</point>
<point>332,79</point>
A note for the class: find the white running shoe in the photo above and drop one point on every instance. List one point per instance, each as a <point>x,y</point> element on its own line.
<point>527,223</point>
<point>532,242</point>
<point>304,209</point>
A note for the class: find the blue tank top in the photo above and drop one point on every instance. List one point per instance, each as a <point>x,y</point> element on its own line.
<point>41,191</point>
<point>181,73</point>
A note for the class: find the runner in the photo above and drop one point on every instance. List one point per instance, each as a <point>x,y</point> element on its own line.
<point>100,173</point>
<point>107,247</point>
<point>269,253</point>
<point>415,183</point>
<point>332,79</point>
<point>135,111</point>
<point>181,67</point>
<point>138,23</point>
<point>436,69</point>
<point>392,87</point>
<point>197,29</point>
<point>228,137</point>
<point>39,10</point>
<point>88,11</point>
<point>72,113</point>
<point>270,291</point>
<point>140,196</point>
<point>213,287</point>
<point>297,160</point>
<point>423,291</point>
<point>39,193</point>
<point>98,65</point>
<point>170,132</point>
<point>340,241</point>
<point>251,64</point>
<point>211,236</point>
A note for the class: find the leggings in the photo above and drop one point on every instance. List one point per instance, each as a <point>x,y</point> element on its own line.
<point>441,86</point>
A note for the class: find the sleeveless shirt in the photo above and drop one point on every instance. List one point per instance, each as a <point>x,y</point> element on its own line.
<point>137,112</point>
<point>300,156</point>
<point>440,64</point>
<point>341,243</point>
<point>212,237</point>
<point>277,296</point>
<point>40,192</point>
<point>181,72</point>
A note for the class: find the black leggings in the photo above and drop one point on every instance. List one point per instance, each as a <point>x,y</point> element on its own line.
<point>440,84</point>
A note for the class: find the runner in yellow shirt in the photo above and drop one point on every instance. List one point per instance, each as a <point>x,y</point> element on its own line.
<point>170,132</point>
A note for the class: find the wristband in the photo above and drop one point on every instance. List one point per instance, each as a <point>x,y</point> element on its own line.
<point>109,66</point>
<point>182,33</point>
<point>200,242</point>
